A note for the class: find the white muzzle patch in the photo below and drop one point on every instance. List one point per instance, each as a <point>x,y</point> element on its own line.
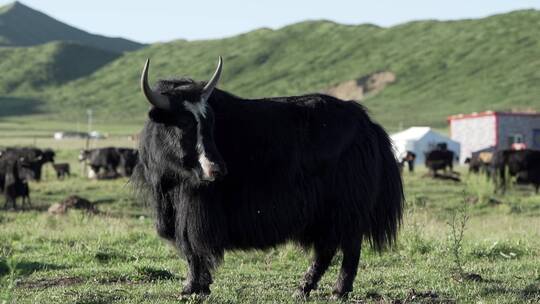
<point>199,111</point>
<point>206,166</point>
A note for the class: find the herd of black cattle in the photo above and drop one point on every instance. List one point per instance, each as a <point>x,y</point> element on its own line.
<point>22,164</point>
<point>19,165</point>
<point>524,165</point>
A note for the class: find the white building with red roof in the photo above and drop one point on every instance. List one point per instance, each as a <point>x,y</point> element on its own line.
<point>500,130</point>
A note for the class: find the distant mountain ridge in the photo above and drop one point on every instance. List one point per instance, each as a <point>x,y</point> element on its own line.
<point>21,25</point>
<point>438,69</point>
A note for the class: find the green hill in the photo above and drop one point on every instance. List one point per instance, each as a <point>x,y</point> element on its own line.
<point>21,25</point>
<point>441,68</point>
<point>31,69</point>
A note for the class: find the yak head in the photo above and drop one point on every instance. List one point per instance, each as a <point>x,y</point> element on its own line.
<point>48,156</point>
<point>184,120</point>
<point>84,155</point>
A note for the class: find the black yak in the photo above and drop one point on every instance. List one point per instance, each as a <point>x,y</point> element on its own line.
<point>34,160</point>
<point>107,159</point>
<point>524,164</point>
<point>409,157</point>
<point>226,173</point>
<point>480,161</point>
<point>62,170</point>
<point>439,159</point>
<point>128,160</point>
<point>14,184</point>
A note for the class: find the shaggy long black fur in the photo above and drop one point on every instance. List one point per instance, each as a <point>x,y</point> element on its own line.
<point>439,159</point>
<point>34,159</point>
<point>313,170</point>
<point>62,170</point>
<point>524,164</point>
<point>107,159</point>
<point>15,185</point>
<point>128,160</point>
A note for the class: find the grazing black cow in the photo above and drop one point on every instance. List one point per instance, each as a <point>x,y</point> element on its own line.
<point>3,170</point>
<point>480,162</point>
<point>62,170</point>
<point>102,158</point>
<point>474,164</point>
<point>32,169</point>
<point>128,160</point>
<point>227,173</point>
<point>34,160</point>
<point>439,159</point>
<point>14,185</point>
<point>409,158</point>
<point>29,153</point>
<point>524,164</point>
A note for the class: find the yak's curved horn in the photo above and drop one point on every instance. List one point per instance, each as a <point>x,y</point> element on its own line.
<point>209,87</point>
<point>154,98</point>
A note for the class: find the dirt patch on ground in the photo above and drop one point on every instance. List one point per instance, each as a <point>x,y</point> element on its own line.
<point>47,283</point>
<point>73,202</point>
<point>358,89</point>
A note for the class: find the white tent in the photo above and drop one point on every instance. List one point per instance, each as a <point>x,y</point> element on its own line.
<point>420,140</point>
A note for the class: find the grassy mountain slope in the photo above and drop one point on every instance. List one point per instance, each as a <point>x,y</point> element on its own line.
<point>442,68</point>
<point>23,26</point>
<point>30,69</point>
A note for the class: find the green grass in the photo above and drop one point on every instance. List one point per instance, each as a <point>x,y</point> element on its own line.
<point>442,68</point>
<point>116,257</point>
<point>21,129</point>
<point>51,64</point>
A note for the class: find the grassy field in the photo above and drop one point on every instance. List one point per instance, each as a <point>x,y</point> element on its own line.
<point>116,256</point>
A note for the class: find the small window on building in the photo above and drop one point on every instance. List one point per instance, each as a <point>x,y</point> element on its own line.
<point>515,139</point>
<point>516,142</point>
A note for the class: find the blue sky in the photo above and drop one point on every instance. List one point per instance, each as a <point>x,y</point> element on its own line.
<point>164,20</point>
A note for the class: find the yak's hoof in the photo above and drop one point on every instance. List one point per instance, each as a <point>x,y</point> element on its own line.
<point>304,290</point>
<point>338,295</point>
<point>194,288</point>
<point>301,294</point>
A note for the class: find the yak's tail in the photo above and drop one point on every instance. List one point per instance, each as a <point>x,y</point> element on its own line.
<point>388,209</point>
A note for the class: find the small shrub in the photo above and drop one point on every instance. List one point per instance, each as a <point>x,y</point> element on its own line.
<point>457,225</point>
